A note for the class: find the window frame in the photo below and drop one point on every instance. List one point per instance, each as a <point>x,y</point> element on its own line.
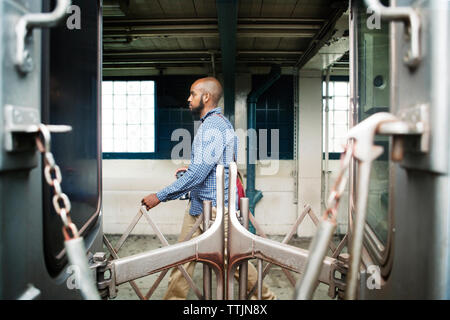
<point>135,155</point>
<point>336,78</point>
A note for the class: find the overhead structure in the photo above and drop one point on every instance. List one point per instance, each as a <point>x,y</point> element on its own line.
<point>142,37</point>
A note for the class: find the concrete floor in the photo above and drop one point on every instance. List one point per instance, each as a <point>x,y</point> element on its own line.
<point>275,280</point>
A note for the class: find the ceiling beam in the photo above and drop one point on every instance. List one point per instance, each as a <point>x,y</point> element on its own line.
<point>118,54</point>
<point>209,32</point>
<point>183,21</point>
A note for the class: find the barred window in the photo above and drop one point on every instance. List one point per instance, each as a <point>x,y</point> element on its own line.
<point>128,116</point>
<point>338,114</point>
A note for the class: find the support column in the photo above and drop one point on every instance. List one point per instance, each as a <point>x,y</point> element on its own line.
<point>310,146</point>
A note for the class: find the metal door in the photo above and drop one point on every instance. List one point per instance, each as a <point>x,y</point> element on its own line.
<point>49,76</point>
<point>400,65</point>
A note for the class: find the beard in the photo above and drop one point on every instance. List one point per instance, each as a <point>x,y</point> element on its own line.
<point>197,111</point>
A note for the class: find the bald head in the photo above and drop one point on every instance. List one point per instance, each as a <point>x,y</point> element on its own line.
<point>211,86</point>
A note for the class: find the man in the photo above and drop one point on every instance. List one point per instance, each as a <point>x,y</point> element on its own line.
<point>213,144</point>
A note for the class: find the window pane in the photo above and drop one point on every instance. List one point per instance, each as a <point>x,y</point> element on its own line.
<point>133,116</point>
<point>107,131</point>
<point>134,132</point>
<point>134,101</point>
<point>147,87</point>
<point>147,116</point>
<point>338,113</point>
<point>120,102</point>
<point>107,101</point>
<point>341,88</point>
<point>120,132</point>
<point>341,103</point>
<point>107,87</point>
<point>107,145</point>
<point>128,113</point>
<point>147,145</point>
<point>134,145</point>
<point>340,117</point>
<point>107,116</point>
<point>120,145</point>
<point>120,87</point>
<point>120,116</point>
<point>133,87</point>
<point>147,131</point>
<point>147,101</point>
<point>340,131</point>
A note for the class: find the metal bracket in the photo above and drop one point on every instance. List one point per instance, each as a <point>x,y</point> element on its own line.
<point>337,285</point>
<point>24,120</point>
<point>244,245</point>
<point>412,121</point>
<point>413,27</point>
<point>25,25</point>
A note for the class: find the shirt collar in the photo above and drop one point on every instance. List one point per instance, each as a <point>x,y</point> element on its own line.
<point>215,110</point>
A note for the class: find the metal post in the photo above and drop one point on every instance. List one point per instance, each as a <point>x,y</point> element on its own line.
<point>207,279</point>
<point>318,249</point>
<point>260,280</point>
<point>327,132</point>
<point>243,269</point>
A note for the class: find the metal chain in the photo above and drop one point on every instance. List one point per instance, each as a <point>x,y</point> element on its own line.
<point>53,177</point>
<point>340,183</point>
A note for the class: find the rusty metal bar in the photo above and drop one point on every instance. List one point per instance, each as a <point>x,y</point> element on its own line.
<point>116,256</point>
<point>286,239</point>
<point>127,232</point>
<point>260,279</point>
<point>166,244</point>
<point>207,276</point>
<point>244,245</point>
<point>243,268</point>
<point>163,273</point>
<point>318,249</point>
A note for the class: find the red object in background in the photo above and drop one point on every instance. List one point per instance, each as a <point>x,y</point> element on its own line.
<point>241,192</point>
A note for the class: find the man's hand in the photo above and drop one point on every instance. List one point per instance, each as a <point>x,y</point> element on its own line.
<point>180,169</point>
<point>150,201</point>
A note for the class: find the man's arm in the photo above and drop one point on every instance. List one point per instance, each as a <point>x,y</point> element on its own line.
<point>206,155</point>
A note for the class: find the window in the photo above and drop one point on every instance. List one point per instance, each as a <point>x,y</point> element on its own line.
<point>338,114</point>
<point>274,110</point>
<point>128,116</point>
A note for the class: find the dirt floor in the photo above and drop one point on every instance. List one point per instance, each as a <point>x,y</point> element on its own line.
<point>276,280</point>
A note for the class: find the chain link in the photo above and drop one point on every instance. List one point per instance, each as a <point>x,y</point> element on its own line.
<point>340,183</point>
<point>53,177</point>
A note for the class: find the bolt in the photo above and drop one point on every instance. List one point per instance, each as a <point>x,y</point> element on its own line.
<point>99,256</point>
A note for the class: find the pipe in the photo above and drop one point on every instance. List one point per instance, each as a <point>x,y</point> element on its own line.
<point>260,279</point>
<point>317,251</point>
<point>243,268</point>
<point>207,275</point>
<point>327,131</point>
<point>251,193</point>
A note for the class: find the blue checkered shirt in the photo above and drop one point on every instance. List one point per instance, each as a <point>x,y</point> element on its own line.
<point>215,143</point>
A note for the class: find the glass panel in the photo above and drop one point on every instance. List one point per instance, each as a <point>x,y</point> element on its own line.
<point>133,87</point>
<point>134,101</point>
<point>120,87</point>
<point>107,116</point>
<point>107,101</point>
<point>341,89</point>
<point>107,87</point>
<point>373,84</point>
<point>128,113</point>
<point>148,87</point>
<point>120,101</point>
